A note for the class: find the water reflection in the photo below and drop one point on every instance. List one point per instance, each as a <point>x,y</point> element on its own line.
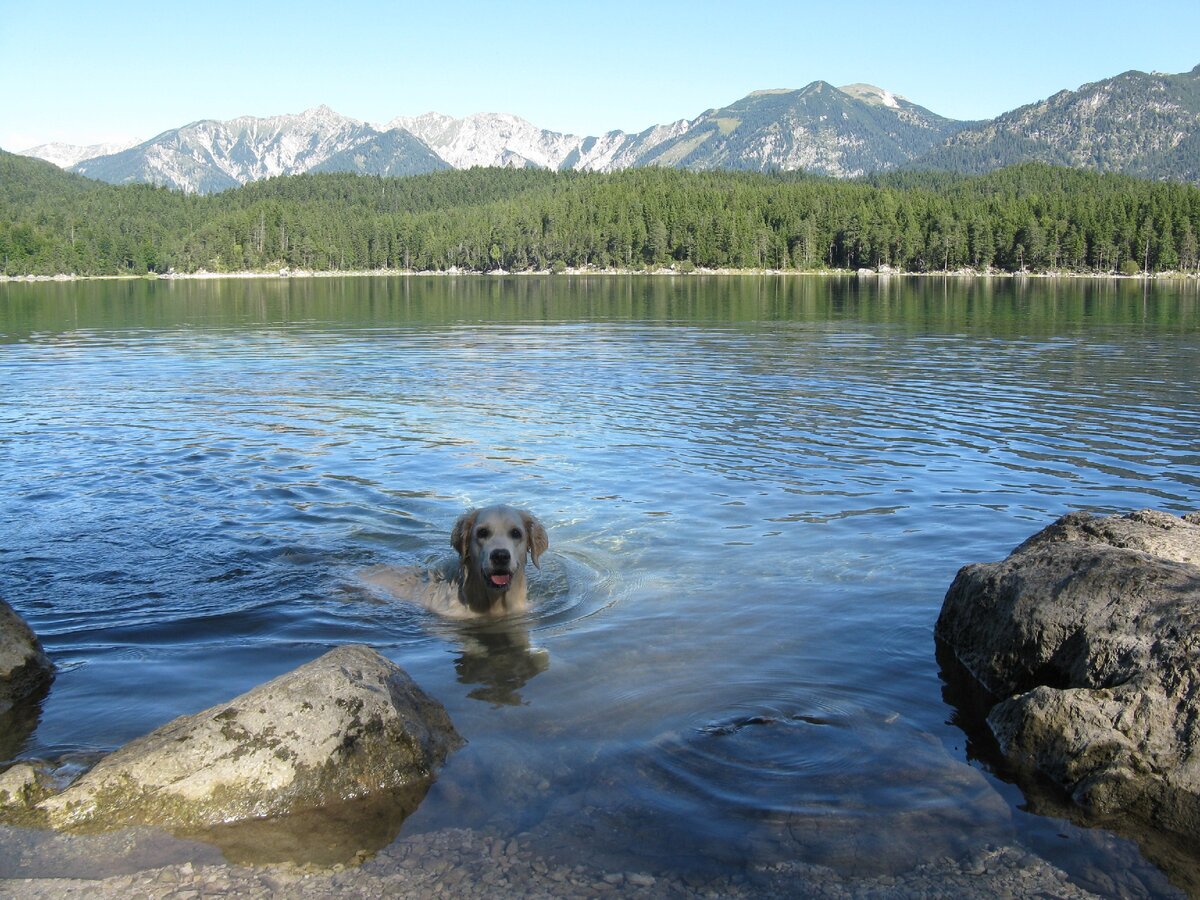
<point>495,652</point>
<point>1033,306</point>
<point>18,721</point>
<point>500,660</point>
<point>338,833</point>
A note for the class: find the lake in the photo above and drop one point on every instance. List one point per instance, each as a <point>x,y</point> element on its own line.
<point>757,491</point>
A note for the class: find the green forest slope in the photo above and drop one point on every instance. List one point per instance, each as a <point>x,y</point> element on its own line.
<point>1032,216</point>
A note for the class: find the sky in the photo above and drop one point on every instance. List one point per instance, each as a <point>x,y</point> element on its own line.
<point>87,72</point>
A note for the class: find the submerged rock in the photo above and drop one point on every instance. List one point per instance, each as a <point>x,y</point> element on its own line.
<point>347,725</point>
<point>24,667</point>
<point>1091,630</point>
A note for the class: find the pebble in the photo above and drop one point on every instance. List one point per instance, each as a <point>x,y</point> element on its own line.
<point>462,864</point>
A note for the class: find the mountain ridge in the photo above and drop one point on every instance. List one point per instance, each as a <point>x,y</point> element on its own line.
<point>67,155</point>
<point>818,128</point>
<point>210,155</point>
<point>1133,123</point>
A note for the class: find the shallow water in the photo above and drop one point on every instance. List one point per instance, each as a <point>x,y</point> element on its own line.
<point>757,492</point>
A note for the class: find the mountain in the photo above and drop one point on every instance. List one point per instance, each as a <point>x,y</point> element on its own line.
<point>1135,123</point>
<point>489,139</point>
<point>844,132</point>
<point>840,132</point>
<point>832,131</point>
<point>66,155</point>
<point>496,139</point>
<point>24,180</point>
<point>390,153</point>
<point>210,156</point>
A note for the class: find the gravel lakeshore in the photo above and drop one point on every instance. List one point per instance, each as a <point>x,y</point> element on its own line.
<point>466,863</point>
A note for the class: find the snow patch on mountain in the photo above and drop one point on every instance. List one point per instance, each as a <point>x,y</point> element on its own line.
<point>66,155</point>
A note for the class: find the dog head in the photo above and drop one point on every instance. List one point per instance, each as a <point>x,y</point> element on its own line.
<point>493,542</point>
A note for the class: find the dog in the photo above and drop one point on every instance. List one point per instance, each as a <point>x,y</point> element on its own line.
<point>488,577</point>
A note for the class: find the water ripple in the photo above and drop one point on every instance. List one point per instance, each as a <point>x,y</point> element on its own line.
<point>757,491</point>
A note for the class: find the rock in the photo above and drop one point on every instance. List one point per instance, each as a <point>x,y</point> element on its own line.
<point>1091,630</point>
<point>344,726</point>
<point>24,666</point>
<point>21,786</point>
<point>28,782</point>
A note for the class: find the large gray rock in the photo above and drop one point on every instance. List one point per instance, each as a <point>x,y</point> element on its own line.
<point>347,725</point>
<point>24,667</point>
<point>1091,630</point>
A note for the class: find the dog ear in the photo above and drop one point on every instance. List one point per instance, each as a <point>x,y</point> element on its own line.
<point>538,539</point>
<point>460,534</point>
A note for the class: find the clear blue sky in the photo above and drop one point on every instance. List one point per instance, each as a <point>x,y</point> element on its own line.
<point>83,72</point>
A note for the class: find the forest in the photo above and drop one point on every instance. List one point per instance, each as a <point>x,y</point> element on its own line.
<point>1030,217</point>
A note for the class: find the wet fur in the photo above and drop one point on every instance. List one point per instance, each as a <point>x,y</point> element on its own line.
<point>494,541</point>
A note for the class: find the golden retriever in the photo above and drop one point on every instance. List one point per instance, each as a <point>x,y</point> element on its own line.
<point>488,578</point>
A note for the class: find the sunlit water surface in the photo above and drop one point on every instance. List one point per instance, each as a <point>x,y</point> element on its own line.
<point>757,492</point>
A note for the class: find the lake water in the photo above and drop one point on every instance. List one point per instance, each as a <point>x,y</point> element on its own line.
<point>757,491</point>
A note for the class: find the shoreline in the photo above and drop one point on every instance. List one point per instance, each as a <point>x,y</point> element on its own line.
<point>470,864</point>
<point>882,273</point>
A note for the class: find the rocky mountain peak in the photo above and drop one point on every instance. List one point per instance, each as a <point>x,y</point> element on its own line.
<point>1144,124</point>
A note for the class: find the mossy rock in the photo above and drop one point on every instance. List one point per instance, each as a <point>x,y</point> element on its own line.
<point>345,726</point>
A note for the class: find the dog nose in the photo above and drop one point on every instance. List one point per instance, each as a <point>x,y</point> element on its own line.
<point>501,557</point>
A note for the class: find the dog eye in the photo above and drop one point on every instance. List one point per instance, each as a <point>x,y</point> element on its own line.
<point>483,534</point>
<point>515,534</point>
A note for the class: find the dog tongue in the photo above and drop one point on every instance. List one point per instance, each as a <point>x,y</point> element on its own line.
<point>501,580</point>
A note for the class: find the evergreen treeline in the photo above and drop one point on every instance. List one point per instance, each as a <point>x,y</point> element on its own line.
<point>1032,216</point>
